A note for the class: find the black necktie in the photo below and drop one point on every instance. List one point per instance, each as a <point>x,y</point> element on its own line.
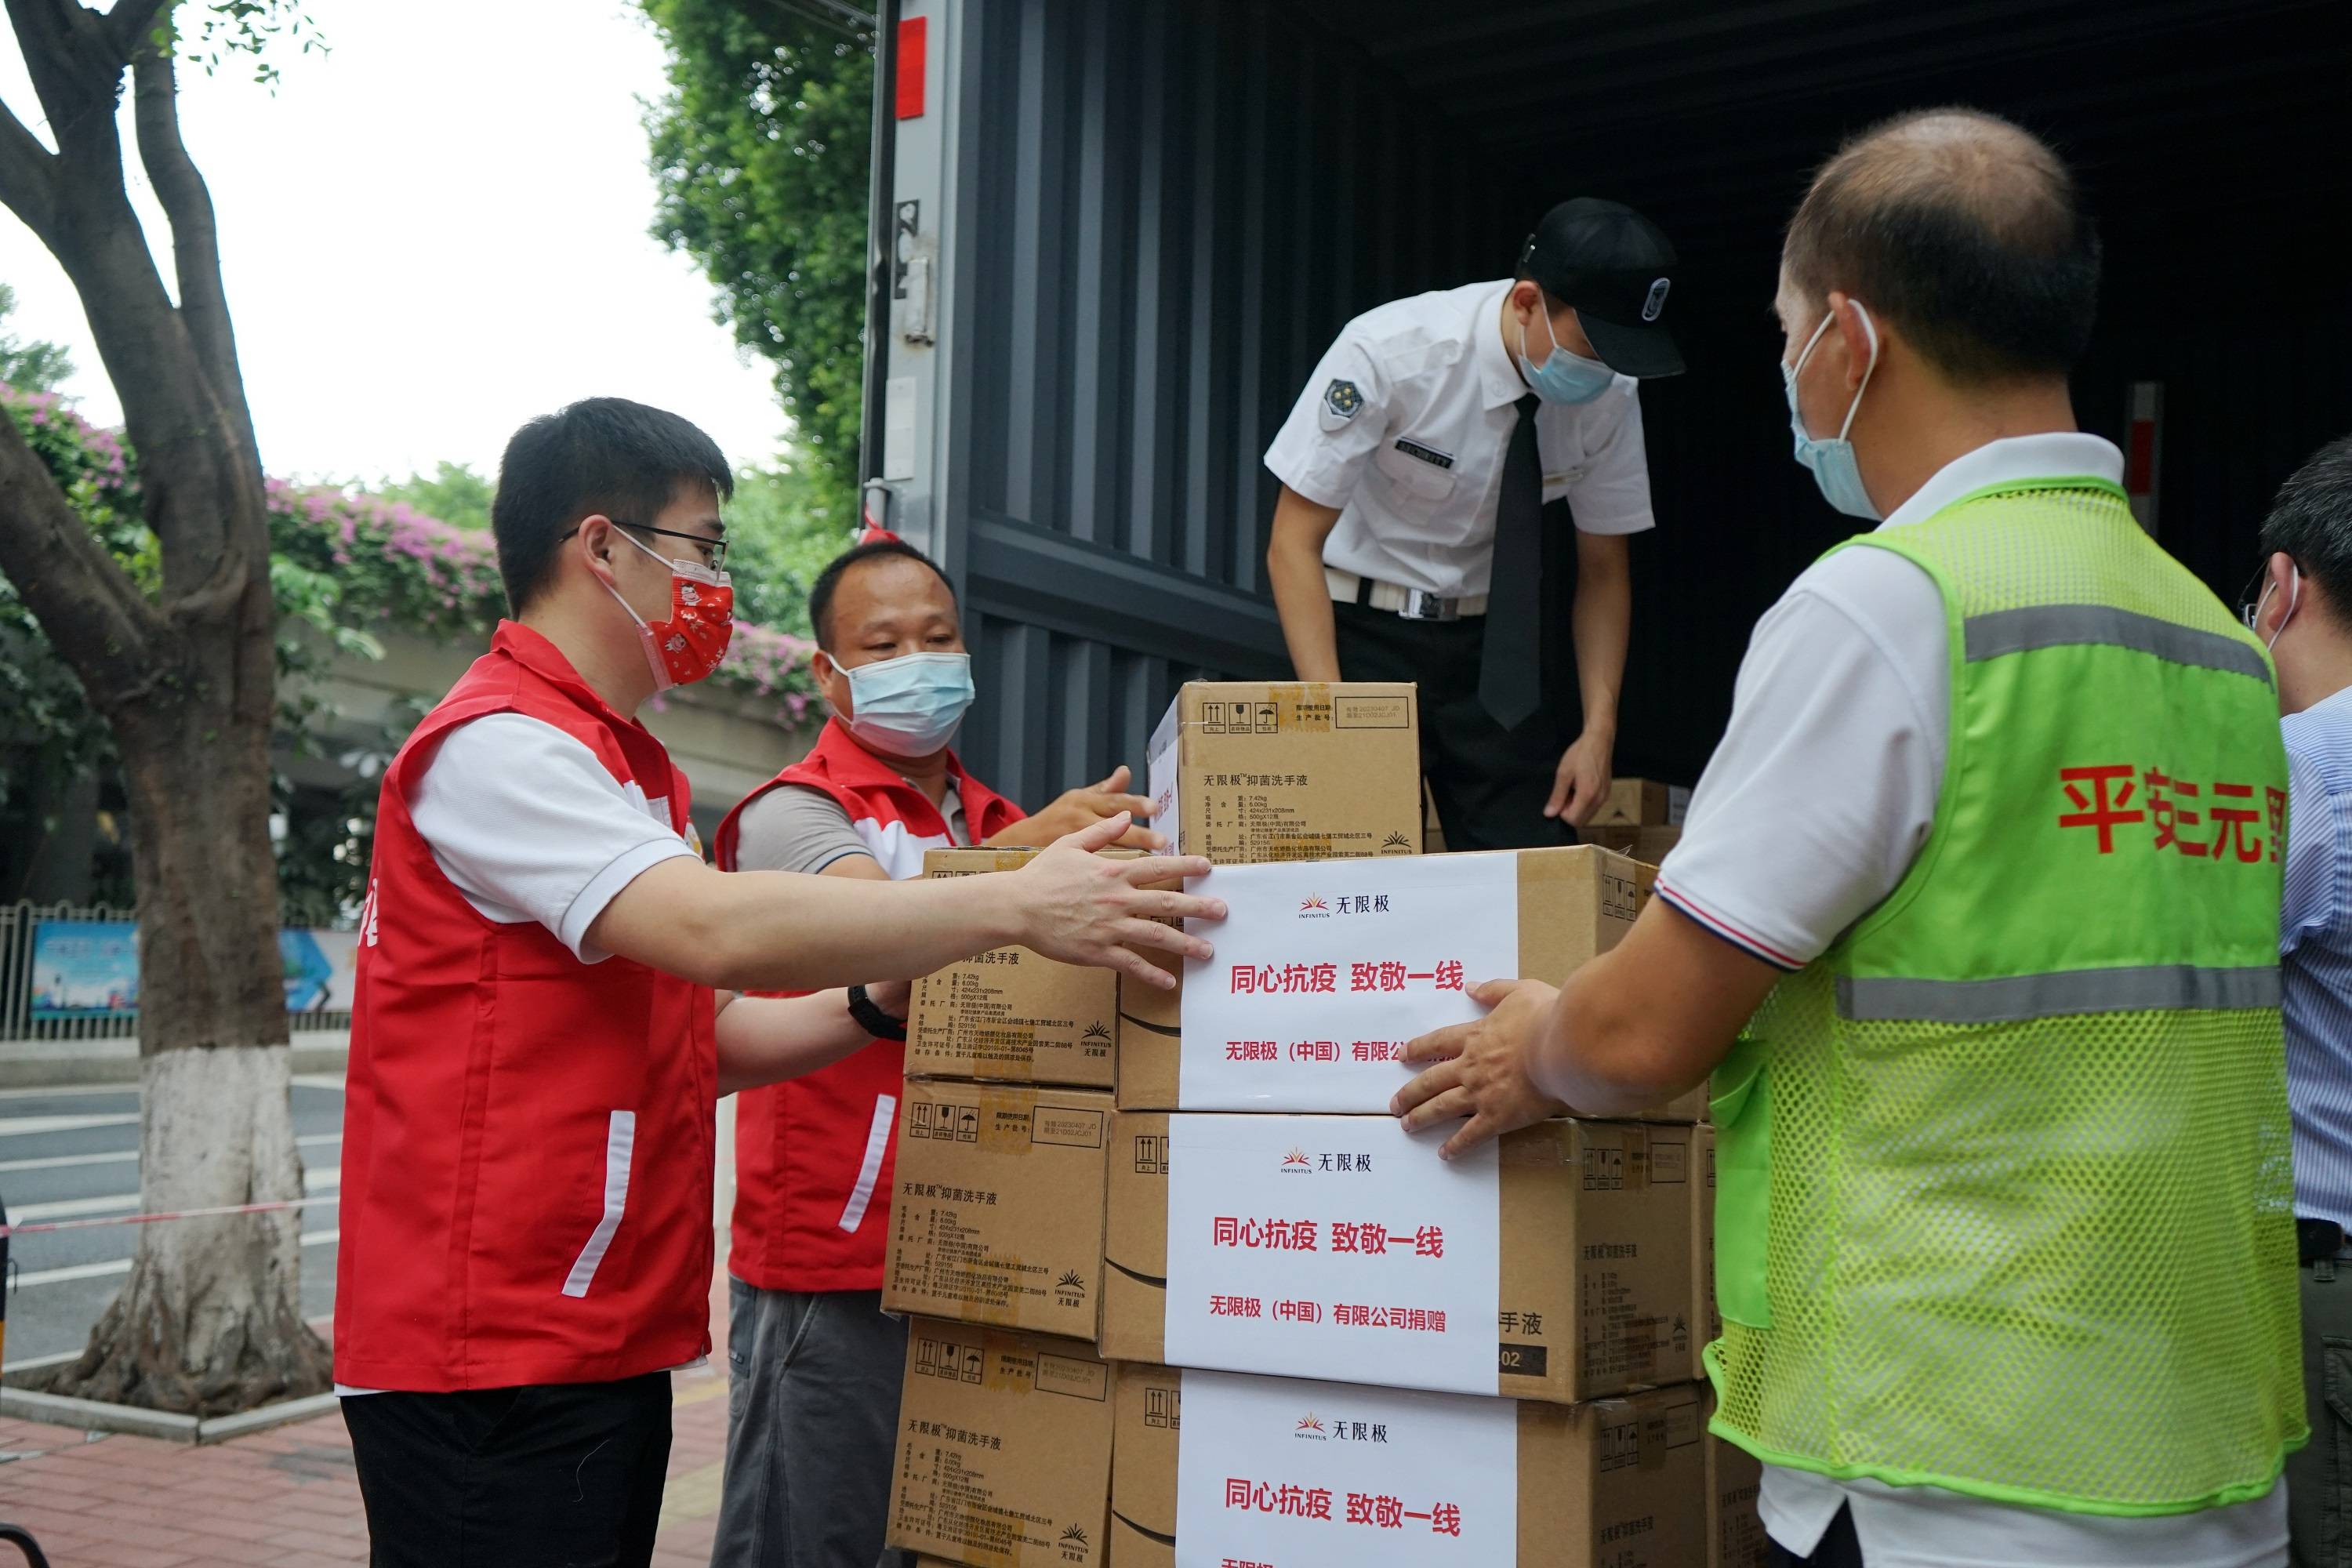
<point>1510,681</point>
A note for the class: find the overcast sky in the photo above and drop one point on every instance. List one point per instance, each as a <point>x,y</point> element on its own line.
<point>429,235</point>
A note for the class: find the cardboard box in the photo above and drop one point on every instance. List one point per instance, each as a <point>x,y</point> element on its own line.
<point>1705,1314</point>
<point>1008,1014</point>
<point>998,1215</point>
<point>1650,845</point>
<point>1004,1445</point>
<point>1200,1456</point>
<point>1244,772</point>
<point>1324,969</point>
<point>1643,803</point>
<point>1735,1529</point>
<point>1555,1266</point>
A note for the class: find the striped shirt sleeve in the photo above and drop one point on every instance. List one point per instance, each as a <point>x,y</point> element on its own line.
<point>2315,851</point>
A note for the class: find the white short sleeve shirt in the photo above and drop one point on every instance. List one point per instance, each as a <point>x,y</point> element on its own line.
<point>527,824</point>
<point>1847,678</point>
<point>1404,426</point>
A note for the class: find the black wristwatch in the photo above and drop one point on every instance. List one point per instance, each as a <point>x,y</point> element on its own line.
<point>872,1019</point>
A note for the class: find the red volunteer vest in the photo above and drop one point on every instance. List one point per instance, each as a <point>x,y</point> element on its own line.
<point>527,1139</point>
<point>813,1156</point>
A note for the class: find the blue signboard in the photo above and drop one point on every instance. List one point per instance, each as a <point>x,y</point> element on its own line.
<point>85,969</point>
<point>89,969</point>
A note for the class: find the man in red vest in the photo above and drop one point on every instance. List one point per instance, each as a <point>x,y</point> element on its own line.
<point>813,1420</point>
<point>541,1026</point>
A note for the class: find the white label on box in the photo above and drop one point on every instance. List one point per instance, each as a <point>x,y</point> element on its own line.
<point>1677,804</point>
<point>1332,1247</point>
<point>1300,1475</point>
<point>1324,969</point>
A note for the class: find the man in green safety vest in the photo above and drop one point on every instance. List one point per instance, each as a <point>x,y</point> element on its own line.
<point>1975,923</point>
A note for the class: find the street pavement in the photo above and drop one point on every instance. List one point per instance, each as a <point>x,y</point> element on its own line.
<point>73,1153</point>
<point>281,1498</point>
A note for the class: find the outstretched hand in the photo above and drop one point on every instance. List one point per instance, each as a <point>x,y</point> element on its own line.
<point>1079,809</point>
<point>1080,908</point>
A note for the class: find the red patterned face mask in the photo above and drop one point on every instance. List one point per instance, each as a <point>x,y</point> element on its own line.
<point>690,643</point>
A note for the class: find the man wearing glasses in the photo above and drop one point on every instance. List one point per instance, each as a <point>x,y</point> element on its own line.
<point>543,1020</point>
<point>2298,604</point>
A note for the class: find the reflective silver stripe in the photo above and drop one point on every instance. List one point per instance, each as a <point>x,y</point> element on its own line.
<point>620,1143</point>
<point>2058,626</point>
<point>877,1139</point>
<point>2015,998</point>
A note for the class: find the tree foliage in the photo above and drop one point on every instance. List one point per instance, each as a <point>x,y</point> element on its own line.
<point>761,149</point>
<point>345,567</point>
<point>784,523</point>
<point>35,366</point>
<point>452,492</point>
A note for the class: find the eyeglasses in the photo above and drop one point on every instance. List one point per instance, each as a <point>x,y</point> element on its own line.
<point>2250,602</point>
<point>714,550</point>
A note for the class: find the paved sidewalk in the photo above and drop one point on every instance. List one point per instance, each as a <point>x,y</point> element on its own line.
<point>282,1498</point>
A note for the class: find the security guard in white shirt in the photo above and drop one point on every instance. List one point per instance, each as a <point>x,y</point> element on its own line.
<point>1408,542</point>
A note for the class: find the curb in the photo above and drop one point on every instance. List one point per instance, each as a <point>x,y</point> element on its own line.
<point>96,1415</point>
<point>120,1064</point>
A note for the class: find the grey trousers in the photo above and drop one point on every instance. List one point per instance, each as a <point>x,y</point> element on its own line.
<point>812,1429</point>
<point>2319,1479</point>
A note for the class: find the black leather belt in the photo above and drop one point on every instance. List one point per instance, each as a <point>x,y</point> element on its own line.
<point>2317,1240</point>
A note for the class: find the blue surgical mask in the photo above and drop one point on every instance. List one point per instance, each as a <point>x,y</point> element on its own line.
<point>1831,461</point>
<point>1563,377</point>
<point>909,706</point>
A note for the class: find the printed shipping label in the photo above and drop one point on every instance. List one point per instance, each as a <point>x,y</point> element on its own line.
<point>1334,1248</point>
<point>1287,1474</point>
<point>1324,970</point>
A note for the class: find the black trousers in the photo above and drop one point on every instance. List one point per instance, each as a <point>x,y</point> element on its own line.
<point>554,1475</point>
<point>1489,784</point>
<point>1839,1548</point>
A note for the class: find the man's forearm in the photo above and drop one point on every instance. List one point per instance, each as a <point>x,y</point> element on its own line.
<point>1301,598</point>
<point>767,1039</point>
<point>779,931</point>
<point>1593,1052</point>
<point>1602,621</point>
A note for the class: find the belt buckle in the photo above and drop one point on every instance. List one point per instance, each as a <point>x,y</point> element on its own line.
<point>1423,607</point>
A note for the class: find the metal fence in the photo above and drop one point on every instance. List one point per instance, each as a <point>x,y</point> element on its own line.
<point>20,921</point>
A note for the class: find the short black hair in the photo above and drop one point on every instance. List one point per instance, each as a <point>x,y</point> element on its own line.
<point>1965,230</point>
<point>2311,521</point>
<point>821,592</point>
<point>602,455</point>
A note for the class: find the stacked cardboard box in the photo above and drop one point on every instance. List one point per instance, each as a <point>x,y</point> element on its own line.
<point>1212,1179</point>
<point>1641,817</point>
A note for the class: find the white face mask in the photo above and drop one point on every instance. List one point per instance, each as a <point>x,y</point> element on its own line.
<point>2294,598</point>
<point>909,706</point>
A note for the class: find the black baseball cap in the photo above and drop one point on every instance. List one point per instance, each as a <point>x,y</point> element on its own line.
<point>1616,268</point>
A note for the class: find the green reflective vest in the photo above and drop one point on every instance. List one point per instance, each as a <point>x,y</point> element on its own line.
<point>2005,1202</point>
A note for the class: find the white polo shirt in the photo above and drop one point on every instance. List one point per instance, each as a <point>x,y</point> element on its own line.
<point>1404,427</point>
<point>1815,803</point>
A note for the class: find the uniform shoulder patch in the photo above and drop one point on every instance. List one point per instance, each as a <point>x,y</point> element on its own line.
<point>1342,399</point>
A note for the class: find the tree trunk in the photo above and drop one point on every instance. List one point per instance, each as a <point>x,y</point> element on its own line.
<point>210,1320</point>
<point>184,673</point>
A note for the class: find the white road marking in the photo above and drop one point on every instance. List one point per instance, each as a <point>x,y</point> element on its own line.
<point>72,1271</point>
<point>327,1177</point>
<point>61,1161</point>
<point>26,1126</point>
